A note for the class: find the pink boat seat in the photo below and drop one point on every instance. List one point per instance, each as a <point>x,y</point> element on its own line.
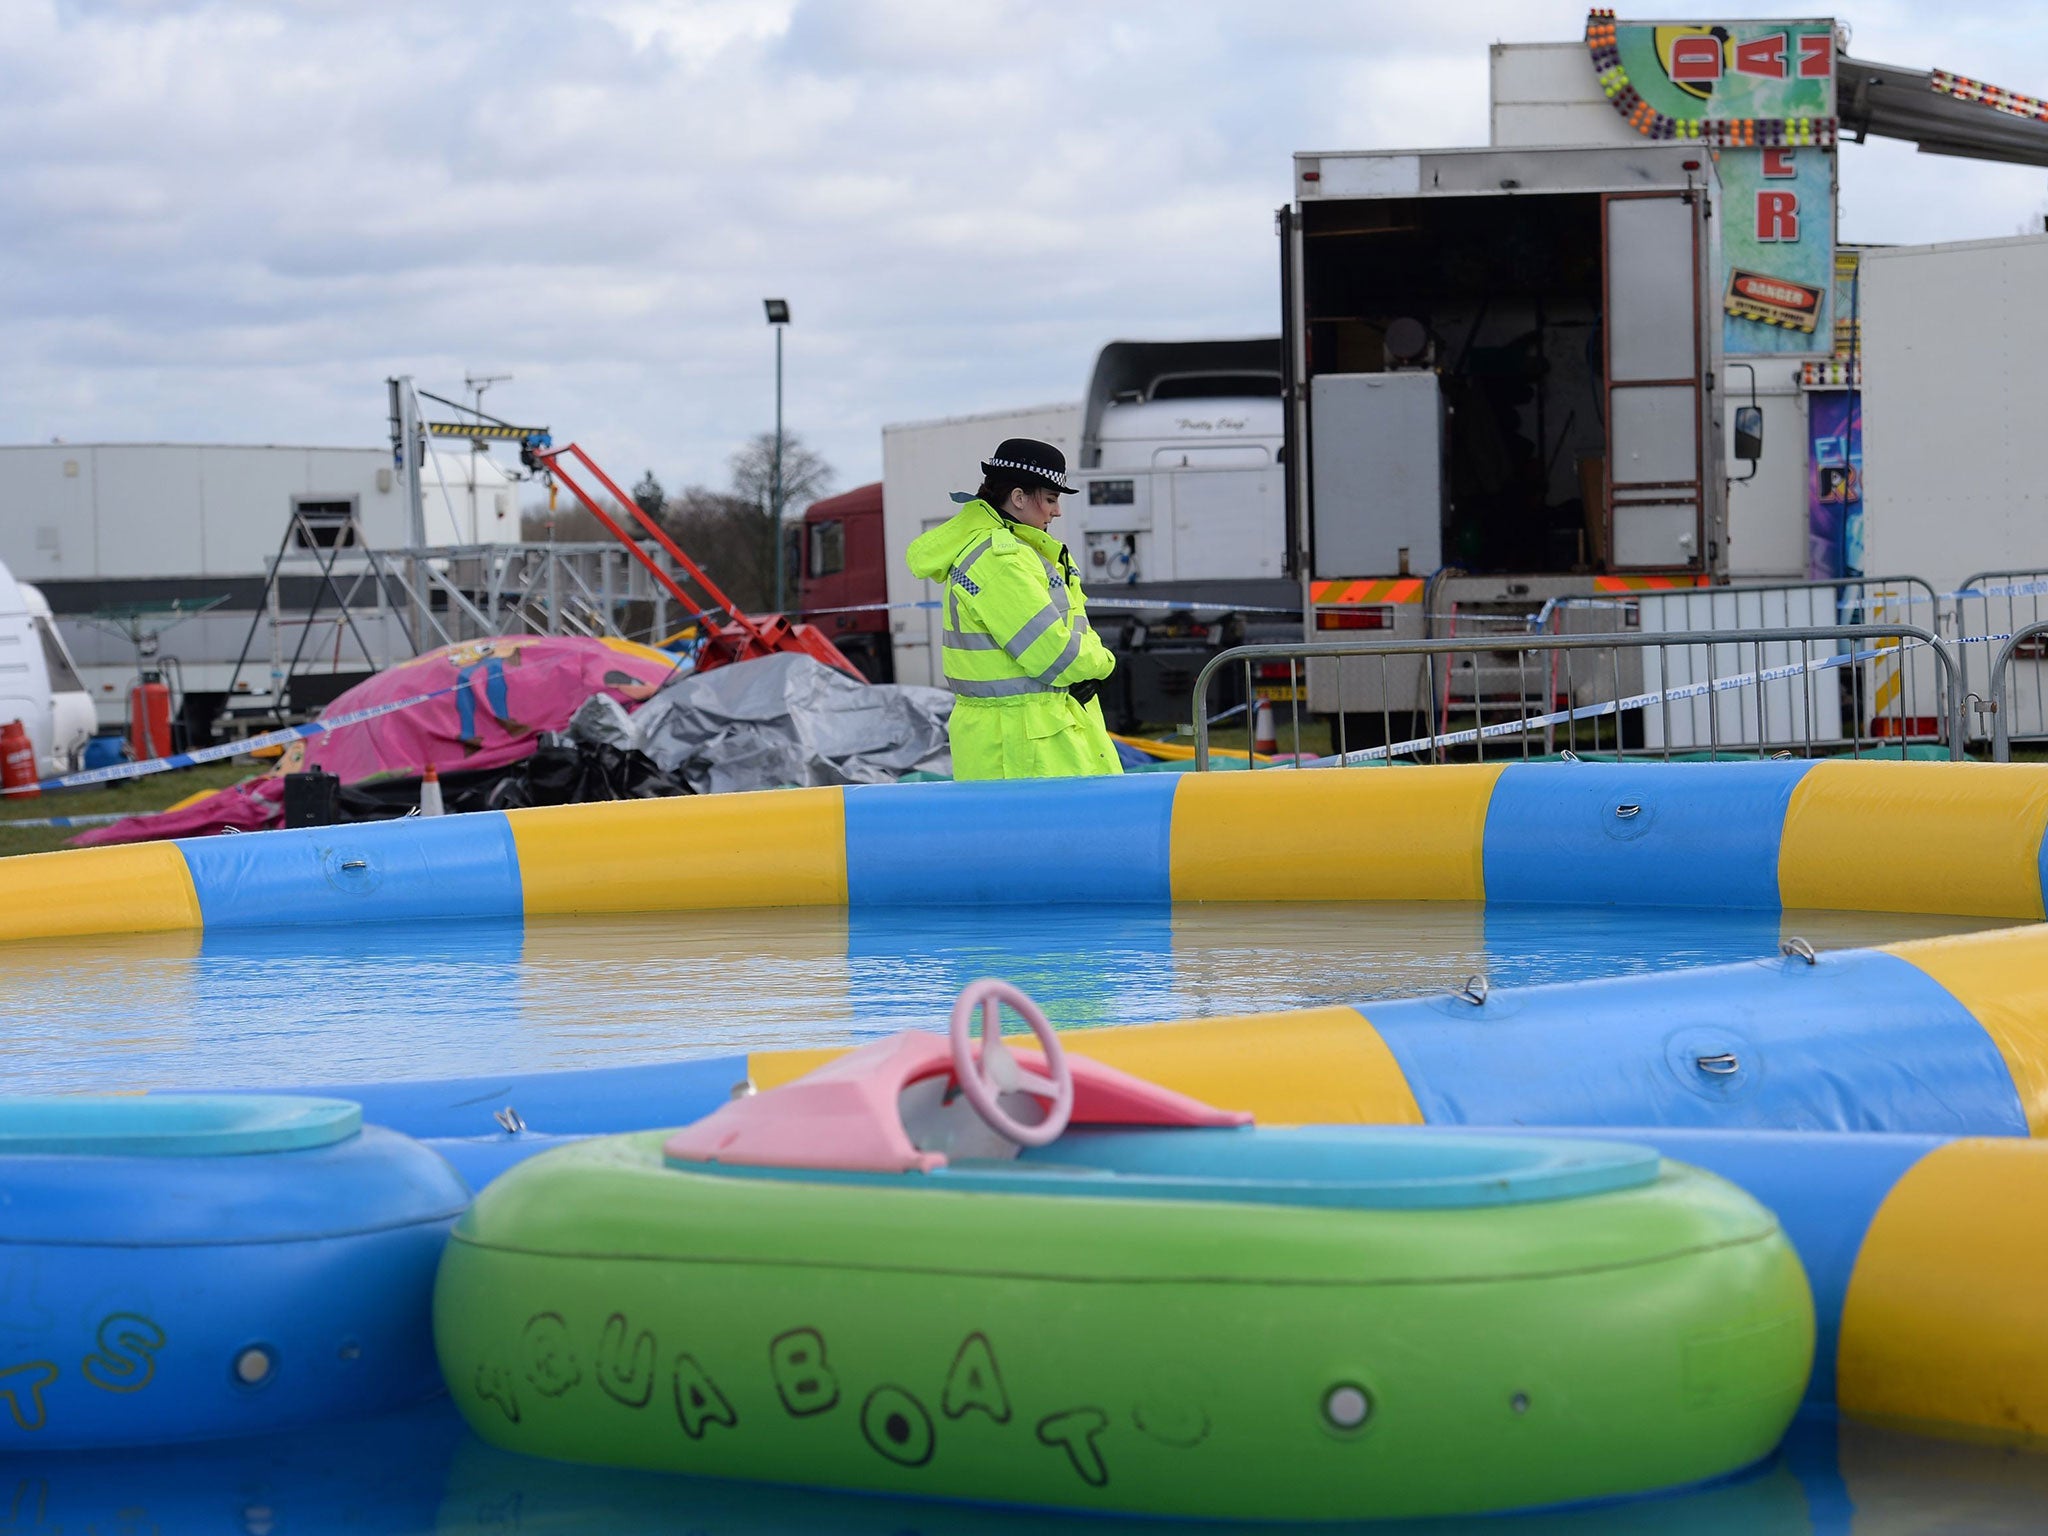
<point>846,1116</point>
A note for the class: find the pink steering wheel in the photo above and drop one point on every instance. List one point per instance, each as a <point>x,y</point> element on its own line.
<point>999,1072</point>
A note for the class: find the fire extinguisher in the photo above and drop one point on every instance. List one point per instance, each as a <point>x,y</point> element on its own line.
<point>17,762</point>
<point>149,718</point>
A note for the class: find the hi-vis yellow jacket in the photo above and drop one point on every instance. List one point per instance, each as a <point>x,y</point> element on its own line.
<point>1016,636</point>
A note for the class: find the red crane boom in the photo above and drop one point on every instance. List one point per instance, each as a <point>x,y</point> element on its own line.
<point>741,637</point>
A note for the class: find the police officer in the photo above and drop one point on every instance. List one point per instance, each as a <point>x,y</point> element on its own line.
<point>1022,662</point>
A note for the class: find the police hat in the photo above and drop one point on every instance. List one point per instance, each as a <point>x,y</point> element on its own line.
<point>1033,462</point>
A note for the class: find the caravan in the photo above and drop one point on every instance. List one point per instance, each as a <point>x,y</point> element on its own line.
<point>39,686</point>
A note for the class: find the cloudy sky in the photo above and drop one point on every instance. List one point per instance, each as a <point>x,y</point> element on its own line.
<point>228,222</point>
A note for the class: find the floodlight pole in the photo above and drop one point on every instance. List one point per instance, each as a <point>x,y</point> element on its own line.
<point>778,317</point>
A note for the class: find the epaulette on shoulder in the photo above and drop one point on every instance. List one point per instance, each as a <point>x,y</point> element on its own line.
<point>1002,542</point>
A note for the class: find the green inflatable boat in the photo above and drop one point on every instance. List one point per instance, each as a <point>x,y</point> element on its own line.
<point>897,1274</point>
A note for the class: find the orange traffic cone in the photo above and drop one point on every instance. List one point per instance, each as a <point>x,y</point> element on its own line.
<point>430,792</point>
<point>1265,735</point>
<point>17,762</point>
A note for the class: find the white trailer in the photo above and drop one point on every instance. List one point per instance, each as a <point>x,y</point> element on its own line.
<point>1952,481</point>
<point>102,527</point>
<point>1953,335</point>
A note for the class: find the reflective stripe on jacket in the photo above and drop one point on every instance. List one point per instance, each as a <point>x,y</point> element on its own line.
<point>1015,637</point>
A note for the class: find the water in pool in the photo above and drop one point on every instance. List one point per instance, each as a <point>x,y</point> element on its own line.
<point>455,999</point>
<point>421,1471</point>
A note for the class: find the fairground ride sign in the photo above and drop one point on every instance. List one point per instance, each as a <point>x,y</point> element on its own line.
<point>1760,97</point>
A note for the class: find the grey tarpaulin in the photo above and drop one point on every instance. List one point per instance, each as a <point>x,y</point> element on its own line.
<point>602,721</point>
<point>790,720</point>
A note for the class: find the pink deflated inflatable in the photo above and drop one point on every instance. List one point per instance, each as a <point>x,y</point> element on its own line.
<point>495,695</point>
<point>485,704</point>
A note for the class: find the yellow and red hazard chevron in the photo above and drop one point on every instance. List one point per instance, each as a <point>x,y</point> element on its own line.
<point>1399,589</point>
<point>1647,583</point>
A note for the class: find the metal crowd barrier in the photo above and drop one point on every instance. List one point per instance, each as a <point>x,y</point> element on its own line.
<point>1760,604</point>
<point>2027,642</point>
<point>1784,605</point>
<point>1737,691</point>
<point>1989,607</point>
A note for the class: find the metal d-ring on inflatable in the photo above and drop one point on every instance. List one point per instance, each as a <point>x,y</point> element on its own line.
<point>197,1266</point>
<point>867,1279</point>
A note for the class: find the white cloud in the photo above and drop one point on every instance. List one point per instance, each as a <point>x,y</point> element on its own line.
<point>229,221</point>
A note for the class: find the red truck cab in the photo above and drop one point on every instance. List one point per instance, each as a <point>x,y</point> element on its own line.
<point>840,565</point>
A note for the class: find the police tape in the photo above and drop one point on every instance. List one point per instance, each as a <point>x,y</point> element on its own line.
<point>2017,589</point>
<point>1529,723</point>
<point>278,738</point>
<point>11,823</point>
<point>1229,714</point>
<point>1100,599</point>
<point>1104,600</point>
<point>812,613</point>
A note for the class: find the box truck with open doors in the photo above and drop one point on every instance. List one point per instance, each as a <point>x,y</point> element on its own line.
<point>1500,390</point>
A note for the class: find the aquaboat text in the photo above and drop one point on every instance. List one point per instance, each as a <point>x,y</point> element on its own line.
<point>899,1424</point>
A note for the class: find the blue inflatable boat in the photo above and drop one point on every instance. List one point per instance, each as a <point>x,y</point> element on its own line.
<point>195,1266</point>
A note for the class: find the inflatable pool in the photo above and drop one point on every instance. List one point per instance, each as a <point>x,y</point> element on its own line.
<point>896,1275</point>
<point>1935,1043</point>
<point>1877,836</point>
<point>187,1267</point>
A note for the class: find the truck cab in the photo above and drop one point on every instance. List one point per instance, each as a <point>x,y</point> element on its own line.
<point>1180,471</point>
<point>1180,526</point>
<point>842,583</point>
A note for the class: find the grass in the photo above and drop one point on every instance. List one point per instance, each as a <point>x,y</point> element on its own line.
<point>153,792</point>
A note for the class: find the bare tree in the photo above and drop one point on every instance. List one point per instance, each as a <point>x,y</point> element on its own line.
<point>805,474</point>
<point>805,477</point>
<point>727,536</point>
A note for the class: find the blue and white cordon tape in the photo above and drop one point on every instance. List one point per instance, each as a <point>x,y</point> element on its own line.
<point>227,749</point>
<point>1679,694</point>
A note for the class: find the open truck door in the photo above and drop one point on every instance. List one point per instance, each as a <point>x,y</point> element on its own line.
<point>1501,391</point>
<point>1662,449</point>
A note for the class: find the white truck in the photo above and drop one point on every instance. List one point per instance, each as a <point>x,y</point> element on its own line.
<point>1501,371</point>
<point>112,530</point>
